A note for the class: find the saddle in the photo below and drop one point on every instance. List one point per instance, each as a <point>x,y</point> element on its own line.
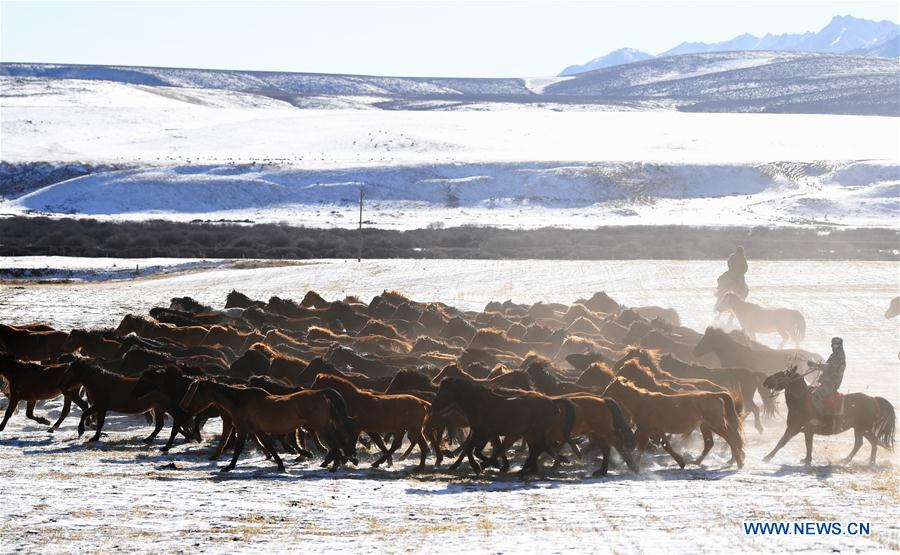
<point>831,404</point>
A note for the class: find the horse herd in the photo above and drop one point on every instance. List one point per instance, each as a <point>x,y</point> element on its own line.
<point>591,377</point>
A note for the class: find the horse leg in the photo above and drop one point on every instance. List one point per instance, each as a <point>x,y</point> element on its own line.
<point>10,409</point>
<point>29,413</point>
<point>757,423</point>
<point>101,418</point>
<point>417,438</point>
<point>84,416</point>
<point>707,443</point>
<point>462,451</point>
<point>224,439</point>
<point>267,445</point>
<point>874,441</point>
<point>809,445</point>
<point>395,444</point>
<point>788,434</point>
<point>604,465</point>
<point>238,447</point>
<point>67,406</point>
<point>159,418</point>
<point>534,451</point>
<point>668,448</point>
<point>857,443</point>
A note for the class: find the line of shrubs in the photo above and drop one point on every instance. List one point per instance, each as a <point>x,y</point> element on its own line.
<point>20,236</point>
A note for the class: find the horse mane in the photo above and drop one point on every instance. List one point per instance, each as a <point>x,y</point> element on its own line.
<point>327,333</point>
<point>340,381</point>
<point>393,297</point>
<point>263,349</point>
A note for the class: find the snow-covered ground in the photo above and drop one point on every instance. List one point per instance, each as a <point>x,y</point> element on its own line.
<point>188,153</point>
<point>61,495</point>
<point>515,195</point>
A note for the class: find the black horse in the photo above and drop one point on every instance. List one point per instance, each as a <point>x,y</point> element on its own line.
<point>872,418</point>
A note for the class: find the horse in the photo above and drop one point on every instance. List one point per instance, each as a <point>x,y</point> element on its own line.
<point>749,382</point>
<point>170,384</point>
<point>110,392</point>
<point>872,418</point>
<point>93,343</point>
<point>657,414</point>
<point>32,382</point>
<point>256,413</point>
<point>33,344</point>
<point>754,319</point>
<point>733,354</point>
<point>377,413</point>
<point>531,416</point>
<point>517,379</point>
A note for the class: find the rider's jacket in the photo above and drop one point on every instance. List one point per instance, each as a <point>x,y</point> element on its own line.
<point>737,264</point>
<point>833,370</point>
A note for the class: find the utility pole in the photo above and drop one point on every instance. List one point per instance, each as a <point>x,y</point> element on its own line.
<point>359,251</point>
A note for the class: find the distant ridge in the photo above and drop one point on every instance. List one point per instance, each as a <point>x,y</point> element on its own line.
<point>843,34</point>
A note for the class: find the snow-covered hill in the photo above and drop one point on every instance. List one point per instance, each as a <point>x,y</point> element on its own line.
<point>751,82</point>
<point>797,82</point>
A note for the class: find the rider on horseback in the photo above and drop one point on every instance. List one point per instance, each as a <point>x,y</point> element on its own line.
<point>733,279</point>
<point>830,379</point>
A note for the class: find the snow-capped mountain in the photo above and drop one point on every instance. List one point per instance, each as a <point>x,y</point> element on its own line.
<point>614,58</point>
<point>843,34</point>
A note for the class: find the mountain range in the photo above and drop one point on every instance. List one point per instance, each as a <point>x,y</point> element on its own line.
<point>843,35</point>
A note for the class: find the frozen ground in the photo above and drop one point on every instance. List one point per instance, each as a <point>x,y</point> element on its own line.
<point>60,495</point>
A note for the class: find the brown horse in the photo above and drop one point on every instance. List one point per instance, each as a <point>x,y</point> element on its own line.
<point>93,343</point>
<point>32,382</point>
<point>379,413</point>
<point>658,414</point>
<point>29,344</point>
<point>749,382</point>
<point>872,418</point>
<point>109,392</point>
<point>255,413</point>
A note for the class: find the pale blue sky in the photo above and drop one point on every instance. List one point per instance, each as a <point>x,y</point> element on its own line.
<point>466,39</point>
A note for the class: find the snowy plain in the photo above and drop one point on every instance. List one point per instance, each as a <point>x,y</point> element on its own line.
<point>211,154</point>
<point>61,494</point>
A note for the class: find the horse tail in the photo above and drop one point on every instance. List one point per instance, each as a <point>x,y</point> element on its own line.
<point>770,407</point>
<point>567,408</point>
<point>624,433</point>
<point>885,422</point>
<point>732,420</point>
<point>338,408</point>
<point>737,395</point>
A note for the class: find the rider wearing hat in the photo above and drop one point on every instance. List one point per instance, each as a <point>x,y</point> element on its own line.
<point>830,379</point>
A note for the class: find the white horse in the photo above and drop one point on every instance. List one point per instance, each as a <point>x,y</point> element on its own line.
<point>754,319</point>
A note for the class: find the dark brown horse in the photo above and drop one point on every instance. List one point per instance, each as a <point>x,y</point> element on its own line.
<point>32,382</point>
<point>533,417</point>
<point>733,354</point>
<point>872,418</point>
<point>110,392</point>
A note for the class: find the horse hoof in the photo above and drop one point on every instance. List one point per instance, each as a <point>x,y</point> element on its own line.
<point>767,458</point>
<point>598,473</point>
<point>225,469</point>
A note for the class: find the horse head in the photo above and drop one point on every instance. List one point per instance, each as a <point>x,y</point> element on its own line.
<point>782,380</point>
